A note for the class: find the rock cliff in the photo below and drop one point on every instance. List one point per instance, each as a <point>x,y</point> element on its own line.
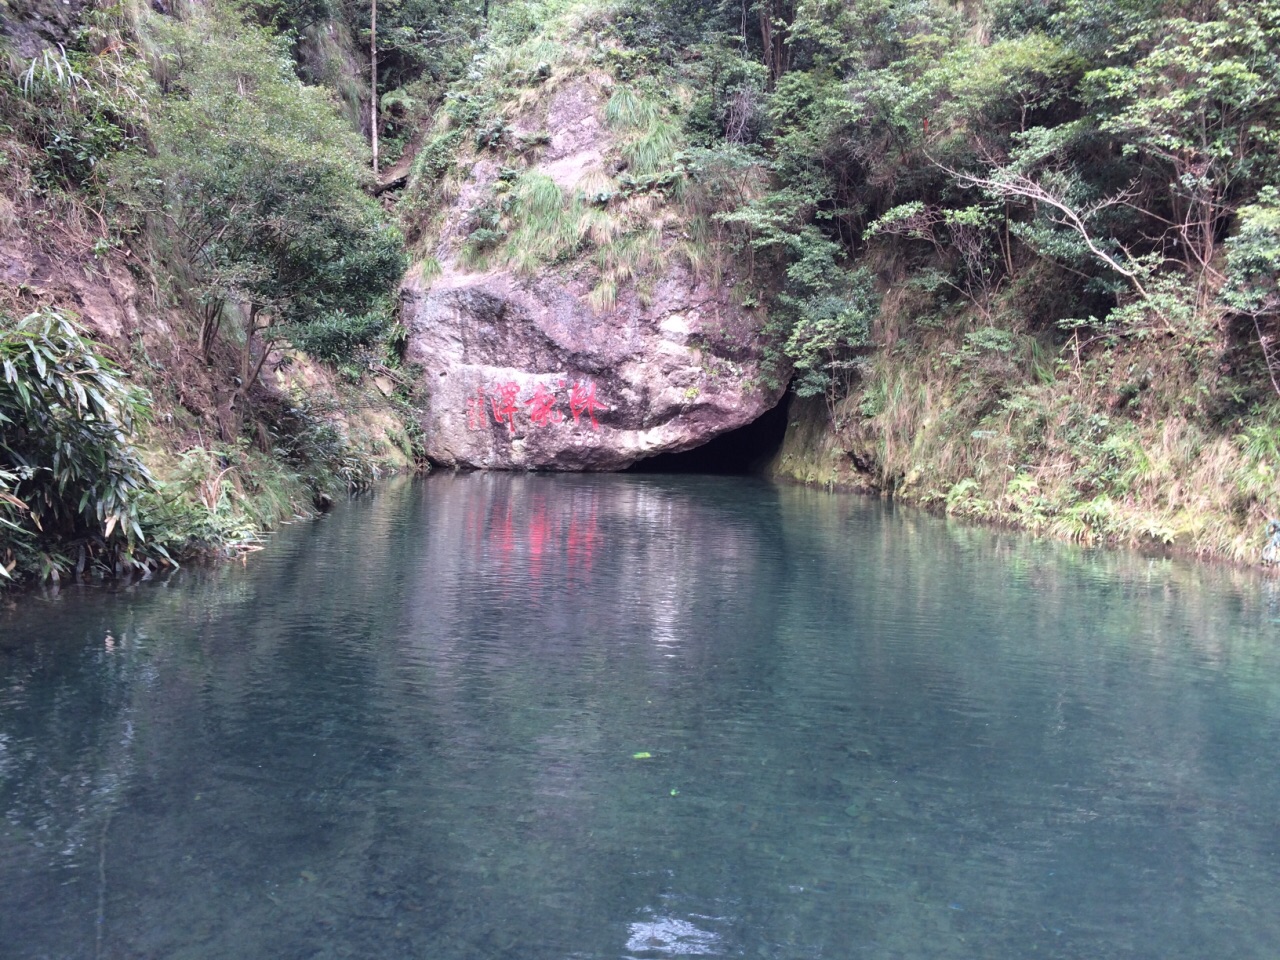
<point>534,368</point>
<point>33,25</point>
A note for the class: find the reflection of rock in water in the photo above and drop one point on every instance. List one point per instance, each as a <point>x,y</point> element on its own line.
<point>663,554</point>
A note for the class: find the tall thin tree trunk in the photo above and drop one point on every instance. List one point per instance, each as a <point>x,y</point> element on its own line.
<point>766,41</point>
<point>373,81</point>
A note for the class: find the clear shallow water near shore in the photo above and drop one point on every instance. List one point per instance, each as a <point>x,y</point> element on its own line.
<point>411,730</point>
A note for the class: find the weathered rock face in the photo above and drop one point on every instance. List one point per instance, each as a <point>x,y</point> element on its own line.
<point>524,375</point>
<point>31,25</point>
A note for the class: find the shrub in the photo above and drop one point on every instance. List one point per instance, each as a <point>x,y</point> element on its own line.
<point>67,471</point>
<point>339,335</point>
<point>72,113</point>
<point>831,324</point>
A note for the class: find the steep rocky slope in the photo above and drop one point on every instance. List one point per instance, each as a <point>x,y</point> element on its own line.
<point>570,311</point>
<point>149,411</point>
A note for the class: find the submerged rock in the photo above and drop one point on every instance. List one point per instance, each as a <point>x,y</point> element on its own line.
<point>524,373</point>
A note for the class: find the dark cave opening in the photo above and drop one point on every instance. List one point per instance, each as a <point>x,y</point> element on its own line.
<point>742,451</point>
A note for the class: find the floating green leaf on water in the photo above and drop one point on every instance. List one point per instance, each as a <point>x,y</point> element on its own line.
<point>642,755</point>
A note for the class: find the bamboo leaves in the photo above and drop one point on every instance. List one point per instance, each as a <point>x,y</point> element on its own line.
<point>66,468</point>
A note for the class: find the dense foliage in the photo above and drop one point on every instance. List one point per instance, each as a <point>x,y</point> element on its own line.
<point>1068,208</point>
<point>70,483</point>
<point>1115,142</point>
<point>258,185</point>
<point>181,148</point>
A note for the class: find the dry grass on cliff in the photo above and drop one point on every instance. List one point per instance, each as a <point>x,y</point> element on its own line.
<point>1014,439</point>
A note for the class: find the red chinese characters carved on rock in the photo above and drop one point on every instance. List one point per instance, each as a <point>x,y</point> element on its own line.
<point>542,407</point>
<point>504,404</point>
<point>543,404</point>
<point>476,413</point>
<point>582,399</point>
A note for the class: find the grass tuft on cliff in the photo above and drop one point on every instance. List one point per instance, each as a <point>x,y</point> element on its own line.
<point>638,190</point>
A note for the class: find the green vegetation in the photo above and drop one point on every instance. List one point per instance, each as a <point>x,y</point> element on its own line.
<point>179,165</point>
<point>1025,252</point>
<point>70,482</point>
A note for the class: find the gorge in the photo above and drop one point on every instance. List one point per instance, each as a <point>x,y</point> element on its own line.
<point>606,233</point>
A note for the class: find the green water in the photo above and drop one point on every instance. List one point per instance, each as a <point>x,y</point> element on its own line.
<point>411,730</point>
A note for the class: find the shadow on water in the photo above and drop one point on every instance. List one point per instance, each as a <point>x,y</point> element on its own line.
<point>488,716</point>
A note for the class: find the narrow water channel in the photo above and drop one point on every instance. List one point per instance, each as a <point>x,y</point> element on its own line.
<point>566,717</point>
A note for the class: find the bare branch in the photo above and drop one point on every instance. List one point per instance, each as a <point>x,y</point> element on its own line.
<point>1018,186</point>
<point>1272,361</point>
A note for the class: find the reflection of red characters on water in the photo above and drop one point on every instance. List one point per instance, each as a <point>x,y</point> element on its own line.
<point>551,543</point>
<point>540,537</point>
<point>581,542</point>
<point>502,536</point>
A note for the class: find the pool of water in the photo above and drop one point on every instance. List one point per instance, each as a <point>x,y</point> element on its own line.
<point>563,717</point>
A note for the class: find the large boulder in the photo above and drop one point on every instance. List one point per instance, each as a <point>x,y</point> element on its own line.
<point>523,374</point>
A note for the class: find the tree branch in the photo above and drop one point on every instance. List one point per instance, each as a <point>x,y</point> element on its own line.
<point>1024,188</point>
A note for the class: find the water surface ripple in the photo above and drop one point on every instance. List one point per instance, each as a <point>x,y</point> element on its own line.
<point>527,717</point>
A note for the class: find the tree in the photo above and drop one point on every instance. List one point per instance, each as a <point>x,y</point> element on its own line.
<point>1201,113</point>
<point>260,187</point>
<point>1252,287</point>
